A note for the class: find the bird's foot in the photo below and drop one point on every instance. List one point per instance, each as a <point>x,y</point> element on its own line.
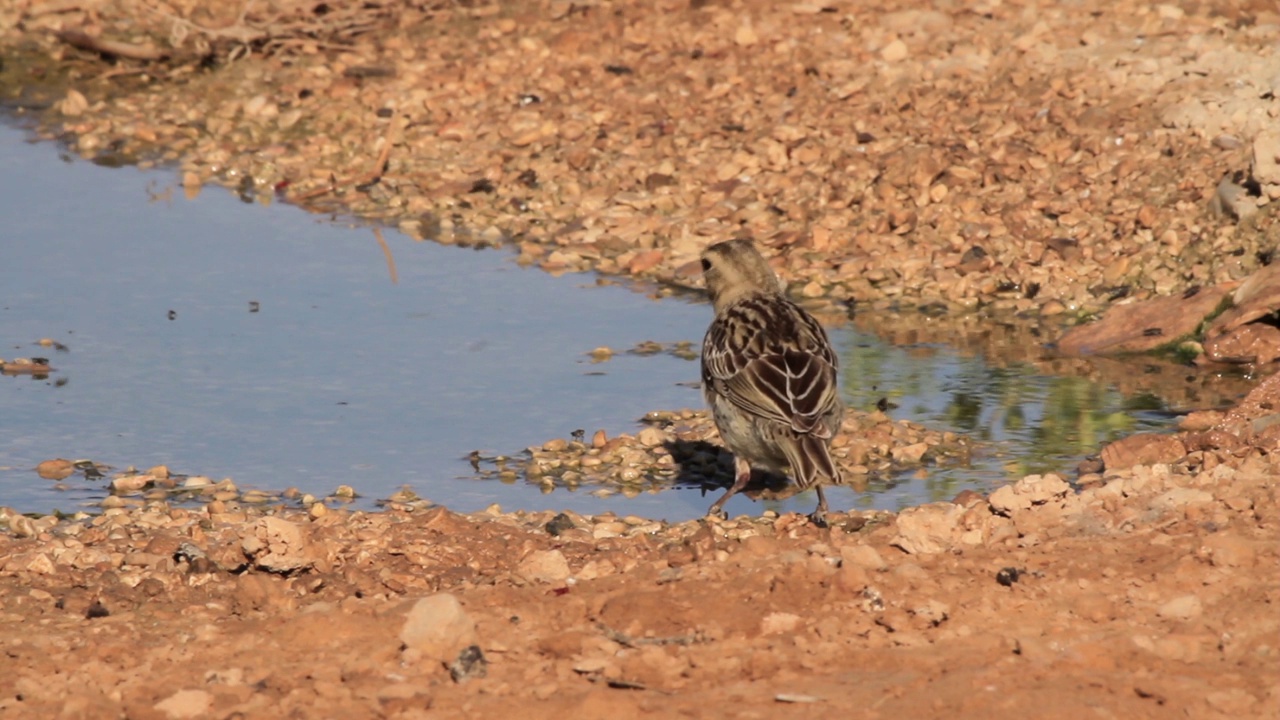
<point>819,518</point>
<point>717,513</point>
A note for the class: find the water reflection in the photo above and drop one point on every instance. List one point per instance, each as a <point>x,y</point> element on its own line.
<point>1027,421</point>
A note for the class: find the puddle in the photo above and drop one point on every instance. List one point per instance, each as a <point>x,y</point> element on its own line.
<point>271,346</point>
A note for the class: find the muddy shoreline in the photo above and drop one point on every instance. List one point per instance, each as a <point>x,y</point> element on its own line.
<point>1034,160</point>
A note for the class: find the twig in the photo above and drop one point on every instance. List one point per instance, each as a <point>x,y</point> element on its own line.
<point>84,41</point>
<point>281,43</point>
<point>621,684</point>
<point>317,192</point>
<point>628,641</point>
<point>120,71</point>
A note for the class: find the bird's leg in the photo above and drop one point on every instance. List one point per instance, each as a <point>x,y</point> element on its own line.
<point>819,516</point>
<point>742,475</point>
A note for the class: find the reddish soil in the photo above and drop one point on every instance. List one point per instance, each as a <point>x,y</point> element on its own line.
<point>1151,594</point>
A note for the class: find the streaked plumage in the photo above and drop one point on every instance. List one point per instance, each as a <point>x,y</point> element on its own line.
<point>768,374</point>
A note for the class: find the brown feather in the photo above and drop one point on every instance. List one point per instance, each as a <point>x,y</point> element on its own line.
<point>811,461</point>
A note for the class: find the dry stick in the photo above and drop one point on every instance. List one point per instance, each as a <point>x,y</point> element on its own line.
<point>75,38</point>
<point>323,190</point>
<point>628,641</point>
<point>121,72</point>
<point>386,250</point>
<point>281,43</point>
<point>621,684</point>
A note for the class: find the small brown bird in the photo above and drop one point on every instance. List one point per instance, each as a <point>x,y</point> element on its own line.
<point>768,374</point>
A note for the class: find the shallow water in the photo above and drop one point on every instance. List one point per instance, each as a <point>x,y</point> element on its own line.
<point>342,376</point>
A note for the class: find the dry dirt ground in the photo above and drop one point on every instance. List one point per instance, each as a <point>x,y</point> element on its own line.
<point>1151,593</point>
<point>1040,158</point>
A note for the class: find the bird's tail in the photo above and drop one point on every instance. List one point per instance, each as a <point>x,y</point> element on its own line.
<point>811,461</point>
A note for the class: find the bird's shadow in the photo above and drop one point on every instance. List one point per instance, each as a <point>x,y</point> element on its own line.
<point>709,467</point>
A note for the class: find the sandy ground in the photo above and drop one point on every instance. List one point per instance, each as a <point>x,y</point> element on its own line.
<point>1151,593</point>
<point>1037,158</point>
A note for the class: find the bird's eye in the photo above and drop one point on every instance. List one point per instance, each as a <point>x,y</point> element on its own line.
<point>706,264</point>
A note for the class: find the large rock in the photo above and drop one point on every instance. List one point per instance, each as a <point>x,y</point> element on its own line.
<point>928,529</point>
<point>1143,449</point>
<point>1254,343</point>
<point>1030,490</point>
<point>1266,162</point>
<point>438,629</point>
<point>186,704</point>
<point>1144,325</point>
<point>1225,550</point>
<point>1184,607</point>
<point>863,556</point>
<point>548,566</point>
<point>278,545</point>
<point>1235,335</point>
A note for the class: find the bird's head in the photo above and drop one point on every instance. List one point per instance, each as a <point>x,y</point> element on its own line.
<point>734,269</point>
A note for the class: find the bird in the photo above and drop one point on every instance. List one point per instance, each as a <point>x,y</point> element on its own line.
<point>768,375</point>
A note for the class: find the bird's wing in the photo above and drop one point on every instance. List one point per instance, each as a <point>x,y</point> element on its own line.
<point>788,378</point>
